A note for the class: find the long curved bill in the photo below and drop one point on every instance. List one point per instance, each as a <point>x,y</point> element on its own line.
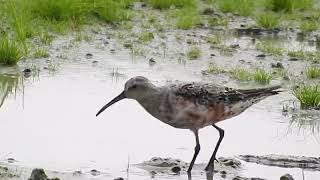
<point>116,99</point>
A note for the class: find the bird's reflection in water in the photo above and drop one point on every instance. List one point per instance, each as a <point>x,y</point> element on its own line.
<point>209,175</point>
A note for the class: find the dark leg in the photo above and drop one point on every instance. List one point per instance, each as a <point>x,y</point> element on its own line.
<point>196,151</point>
<point>213,157</point>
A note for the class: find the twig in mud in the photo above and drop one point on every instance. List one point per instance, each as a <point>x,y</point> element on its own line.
<point>128,167</point>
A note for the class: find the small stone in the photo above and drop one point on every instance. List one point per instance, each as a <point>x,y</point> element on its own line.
<point>152,61</point>
<point>127,45</point>
<point>95,62</point>
<point>234,46</point>
<point>112,50</point>
<point>208,11</point>
<point>277,65</point>
<point>11,160</point>
<point>89,55</point>
<point>261,56</point>
<point>286,177</point>
<point>94,172</point>
<point>176,169</point>
<point>38,174</point>
<point>118,178</point>
<point>242,25</point>
<point>212,55</point>
<point>293,59</point>
<point>242,61</point>
<point>223,172</point>
<point>27,70</point>
<point>105,42</point>
<point>77,173</point>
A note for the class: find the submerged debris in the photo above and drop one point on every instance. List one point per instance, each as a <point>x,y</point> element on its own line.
<point>310,163</point>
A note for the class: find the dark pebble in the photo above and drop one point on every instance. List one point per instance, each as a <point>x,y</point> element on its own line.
<point>261,56</point>
<point>234,46</point>
<point>176,169</point>
<point>118,178</point>
<point>212,55</point>
<point>27,70</point>
<point>286,177</point>
<point>152,61</point>
<point>89,55</point>
<point>277,65</point>
<point>95,62</point>
<point>112,50</point>
<point>11,160</point>
<point>293,59</point>
<point>223,172</point>
<point>94,172</point>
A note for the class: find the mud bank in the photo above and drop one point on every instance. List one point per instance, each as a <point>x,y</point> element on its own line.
<point>285,161</point>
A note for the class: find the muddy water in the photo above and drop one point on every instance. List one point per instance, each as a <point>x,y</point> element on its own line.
<point>49,121</point>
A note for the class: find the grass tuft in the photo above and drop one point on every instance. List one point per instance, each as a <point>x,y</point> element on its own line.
<point>267,20</point>
<point>9,52</point>
<point>261,76</point>
<point>309,96</point>
<point>239,7</point>
<point>269,48</point>
<point>241,74</point>
<point>308,26</point>
<point>194,53</point>
<point>41,53</point>
<point>313,72</point>
<point>166,4</point>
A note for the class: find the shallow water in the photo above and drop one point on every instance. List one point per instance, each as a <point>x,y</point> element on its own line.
<point>49,122</point>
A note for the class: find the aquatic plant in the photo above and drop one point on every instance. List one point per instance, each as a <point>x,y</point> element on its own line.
<point>241,74</point>
<point>187,18</point>
<point>215,69</point>
<point>213,39</point>
<point>267,20</point>
<point>297,54</point>
<point>289,5</point>
<point>308,95</point>
<point>239,7</point>
<point>308,26</point>
<point>146,36</point>
<point>111,11</point>
<point>9,52</point>
<point>217,21</point>
<point>194,53</point>
<point>46,38</point>
<point>41,53</point>
<point>261,76</point>
<point>313,72</point>
<point>268,47</point>
<point>166,4</point>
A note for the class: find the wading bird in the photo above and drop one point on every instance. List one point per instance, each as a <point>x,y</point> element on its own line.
<point>192,105</point>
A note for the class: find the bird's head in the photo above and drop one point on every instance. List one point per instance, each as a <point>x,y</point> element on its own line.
<point>135,88</point>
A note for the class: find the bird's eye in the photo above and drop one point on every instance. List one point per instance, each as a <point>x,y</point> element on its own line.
<point>134,86</point>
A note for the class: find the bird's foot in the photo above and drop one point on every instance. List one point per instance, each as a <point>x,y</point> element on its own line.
<point>210,166</point>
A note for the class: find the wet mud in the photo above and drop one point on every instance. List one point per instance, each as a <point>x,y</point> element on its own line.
<point>285,161</point>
